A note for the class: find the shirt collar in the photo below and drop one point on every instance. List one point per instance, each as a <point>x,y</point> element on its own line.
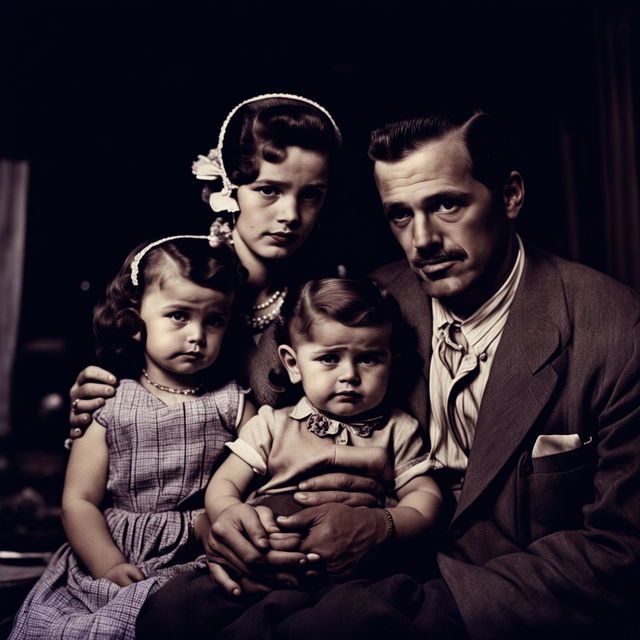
<point>490,311</point>
<point>302,410</point>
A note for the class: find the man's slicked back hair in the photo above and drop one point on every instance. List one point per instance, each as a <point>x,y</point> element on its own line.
<point>487,143</point>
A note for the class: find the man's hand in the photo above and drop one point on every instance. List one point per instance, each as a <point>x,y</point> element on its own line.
<point>237,575</point>
<point>92,386</point>
<point>339,534</point>
<point>124,574</point>
<point>364,472</point>
<point>239,540</point>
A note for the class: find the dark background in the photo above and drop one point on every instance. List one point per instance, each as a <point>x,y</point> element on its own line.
<point>111,102</point>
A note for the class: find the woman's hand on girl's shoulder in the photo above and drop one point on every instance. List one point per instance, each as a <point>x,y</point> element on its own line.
<point>89,392</point>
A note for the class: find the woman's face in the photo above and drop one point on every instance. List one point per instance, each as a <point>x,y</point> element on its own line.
<point>279,209</point>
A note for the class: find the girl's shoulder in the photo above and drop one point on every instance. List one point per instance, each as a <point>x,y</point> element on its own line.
<point>128,393</point>
<point>228,401</point>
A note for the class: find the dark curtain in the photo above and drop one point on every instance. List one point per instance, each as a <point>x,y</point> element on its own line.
<point>14,177</point>
<point>603,215</point>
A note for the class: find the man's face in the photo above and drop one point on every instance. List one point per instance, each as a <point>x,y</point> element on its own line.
<point>457,238</point>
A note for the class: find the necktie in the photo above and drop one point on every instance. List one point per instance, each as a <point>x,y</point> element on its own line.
<point>452,349</point>
<point>452,346</point>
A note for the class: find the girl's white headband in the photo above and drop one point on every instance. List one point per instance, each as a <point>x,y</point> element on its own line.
<point>219,234</point>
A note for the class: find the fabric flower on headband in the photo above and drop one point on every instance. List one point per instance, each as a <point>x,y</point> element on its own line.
<point>220,233</point>
<point>223,202</point>
<point>210,167</point>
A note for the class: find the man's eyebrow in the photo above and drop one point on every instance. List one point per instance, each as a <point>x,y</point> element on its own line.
<point>394,204</point>
<point>457,194</point>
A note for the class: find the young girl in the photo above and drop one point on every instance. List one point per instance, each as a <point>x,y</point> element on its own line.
<point>152,447</point>
<point>339,343</point>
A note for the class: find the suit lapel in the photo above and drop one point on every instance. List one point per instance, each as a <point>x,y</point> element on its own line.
<point>522,378</point>
<point>417,311</point>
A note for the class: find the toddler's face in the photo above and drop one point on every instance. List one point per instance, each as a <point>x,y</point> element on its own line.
<point>185,324</point>
<point>344,370</point>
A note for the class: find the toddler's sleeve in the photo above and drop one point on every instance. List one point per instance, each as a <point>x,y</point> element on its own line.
<point>255,441</point>
<point>410,455</point>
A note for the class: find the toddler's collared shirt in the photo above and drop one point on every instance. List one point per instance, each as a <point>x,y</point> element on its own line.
<point>279,446</point>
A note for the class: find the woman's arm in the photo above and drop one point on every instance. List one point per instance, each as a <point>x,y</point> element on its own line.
<point>84,524</point>
<point>91,388</point>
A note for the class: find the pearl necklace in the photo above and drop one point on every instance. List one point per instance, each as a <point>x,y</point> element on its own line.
<point>260,322</point>
<point>187,391</point>
<point>266,303</point>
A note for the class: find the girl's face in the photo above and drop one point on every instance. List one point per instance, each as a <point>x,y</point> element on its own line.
<point>279,209</point>
<point>344,370</point>
<point>185,324</point>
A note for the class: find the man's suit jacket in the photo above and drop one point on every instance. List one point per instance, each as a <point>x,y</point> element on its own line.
<point>548,542</point>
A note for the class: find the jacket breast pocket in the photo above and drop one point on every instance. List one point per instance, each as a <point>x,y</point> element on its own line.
<point>552,490</point>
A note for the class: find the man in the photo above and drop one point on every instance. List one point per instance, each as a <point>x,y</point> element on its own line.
<point>530,392</point>
<point>542,405</point>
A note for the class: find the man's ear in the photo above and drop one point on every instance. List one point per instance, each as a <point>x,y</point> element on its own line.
<point>290,361</point>
<point>513,195</point>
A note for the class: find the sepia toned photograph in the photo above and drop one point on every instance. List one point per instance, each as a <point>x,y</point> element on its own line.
<point>319,320</point>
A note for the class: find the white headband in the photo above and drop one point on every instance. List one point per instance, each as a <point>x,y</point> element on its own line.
<point>211,166</point>
<point>135,264</point>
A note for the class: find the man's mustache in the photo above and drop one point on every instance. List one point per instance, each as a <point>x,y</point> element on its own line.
<point>425,258</point>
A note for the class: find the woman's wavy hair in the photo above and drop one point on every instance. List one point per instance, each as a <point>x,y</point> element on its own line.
<point>351,302</point>
<point>262,130</point>
<point>116,320</point>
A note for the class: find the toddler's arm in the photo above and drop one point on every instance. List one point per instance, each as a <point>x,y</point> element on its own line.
<point>239,533</point>
<point>418,509</point>
<point>233,522</point>
<point>84,524</point>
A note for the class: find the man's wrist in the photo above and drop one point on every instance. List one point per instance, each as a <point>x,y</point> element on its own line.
<point>391,526</point>
<point>381,528</point>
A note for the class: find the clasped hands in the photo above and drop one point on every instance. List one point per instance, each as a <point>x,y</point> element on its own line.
<point>248,550</point>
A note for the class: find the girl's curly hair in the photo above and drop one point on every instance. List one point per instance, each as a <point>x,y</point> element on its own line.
<point>116,320</point>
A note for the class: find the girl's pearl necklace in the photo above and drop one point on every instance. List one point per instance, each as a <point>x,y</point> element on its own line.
<point>260,322</point>
<point>186,391</point>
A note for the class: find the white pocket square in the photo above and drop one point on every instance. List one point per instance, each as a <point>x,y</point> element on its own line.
<point>548,445</point>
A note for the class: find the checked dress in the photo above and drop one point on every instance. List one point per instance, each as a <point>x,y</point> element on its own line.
<point>159,456</point>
